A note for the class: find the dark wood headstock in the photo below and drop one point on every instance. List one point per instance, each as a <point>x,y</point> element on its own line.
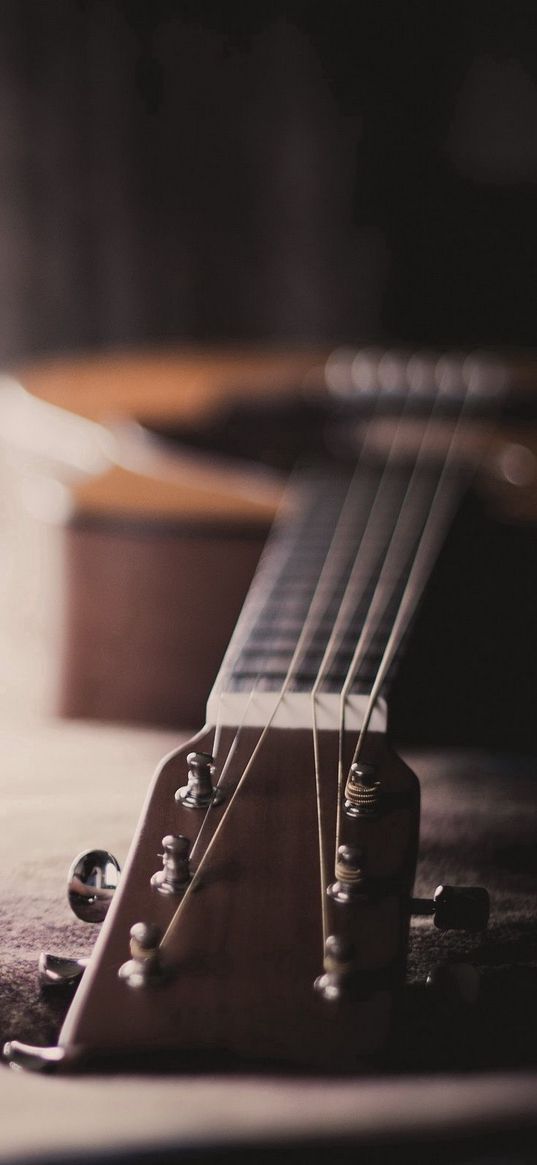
<point>234,976</point>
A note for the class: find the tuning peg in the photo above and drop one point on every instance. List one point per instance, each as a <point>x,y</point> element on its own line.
<point>338,963</point>
<point>362,792</point>
<point>350,880</point>
<point>456,907</point>
<point>199,792</point>
<point>58,972</point>
<point>144,968</point>
<point>91,883</point>
<point>175,875</point>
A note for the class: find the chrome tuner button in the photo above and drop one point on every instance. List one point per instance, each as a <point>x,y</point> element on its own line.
<point>92,881</point>
<point>175,875</point>
<point>56,972</point>
<point>338,963</point>
<point>144,968</point>
<point>461,908</point>
<point>199,792</point>
<point>350,880</point>
<point>27,1058</point>
<point>456,907</point>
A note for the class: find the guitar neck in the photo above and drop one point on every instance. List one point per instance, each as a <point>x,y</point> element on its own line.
<point>323,604</point>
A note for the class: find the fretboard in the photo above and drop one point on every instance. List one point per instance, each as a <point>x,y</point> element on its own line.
<point>332,576</point>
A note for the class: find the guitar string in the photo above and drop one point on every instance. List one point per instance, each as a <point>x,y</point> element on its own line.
<point>299,645</point>
<point>249,612</point>
<point>321,597</point>
<point>246,619</point>
<point>324,593</point>
<point>449,490</point>
<point>408,528</point>
<point>225,767</point>
<point>370,550</point>
<point>306,631</point>
<point>281,694</point>
<point>369,553</point>
<point>365,563</point>
<point>203,860</point>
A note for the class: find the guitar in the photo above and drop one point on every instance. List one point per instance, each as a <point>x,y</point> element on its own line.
<point>274,931</point>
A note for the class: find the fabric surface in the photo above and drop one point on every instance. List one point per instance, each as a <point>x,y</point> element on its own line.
<point>67,786</point>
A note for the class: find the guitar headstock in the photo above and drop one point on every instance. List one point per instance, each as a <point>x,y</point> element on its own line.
<point>252,961</point>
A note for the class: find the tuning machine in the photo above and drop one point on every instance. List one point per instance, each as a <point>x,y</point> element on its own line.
<point>175,875</point>
<point>91,883</point>
<point>455,907</point>
<point>338,963</point>
<point>59,972</point>
<point>144,968</point>
<point>199,792</point>
<point>29,1058</point>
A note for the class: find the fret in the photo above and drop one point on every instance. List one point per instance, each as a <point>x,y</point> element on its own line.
<point>320,576</point>
<point>277,608</point>
<point>272,682</point>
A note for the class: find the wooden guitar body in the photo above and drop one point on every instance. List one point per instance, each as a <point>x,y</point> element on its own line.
<point>150,608</point>
<point>159,547</point>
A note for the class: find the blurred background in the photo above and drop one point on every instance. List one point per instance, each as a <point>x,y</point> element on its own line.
<point>285,173</point>
<point>295,171</point>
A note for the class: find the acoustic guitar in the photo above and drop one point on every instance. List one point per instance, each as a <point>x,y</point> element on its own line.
<point>262,918</point>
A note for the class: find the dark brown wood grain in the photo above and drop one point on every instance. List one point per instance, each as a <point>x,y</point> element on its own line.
<point>243,957</point>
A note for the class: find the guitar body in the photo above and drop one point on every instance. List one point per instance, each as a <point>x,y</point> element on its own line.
<point>166,593</point>
<point>160,542</point>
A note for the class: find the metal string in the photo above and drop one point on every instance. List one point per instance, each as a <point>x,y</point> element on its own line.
<point>387,518</point>
<point>318,603</point>
<point>449,489</point>
<point>398,551</point>
<point>365,561</point>
<point>306,631</point>
<point>249,612</point>
<point>244,776</point>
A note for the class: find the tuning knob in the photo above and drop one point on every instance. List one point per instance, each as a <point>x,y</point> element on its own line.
<point>57,972</point>
<point>456,907</point>
<point>144,968</point>
<point>29,1058</point>
<point>461,908</point>
<point>91,883</point>
<point>199,792</point>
